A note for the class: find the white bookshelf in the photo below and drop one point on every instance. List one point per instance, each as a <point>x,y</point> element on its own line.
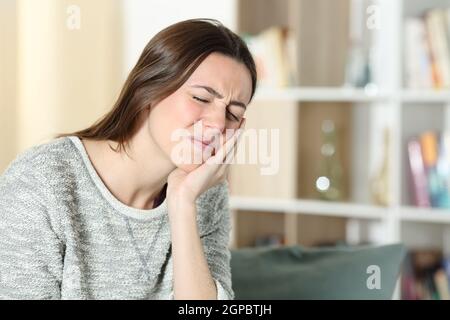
<point>426,215</point>
<point>345,94</point>
<point>320,94</point>
<point>339,209</point>
<point>313,207</point>
<point>392,105</point>
<point>425,96</point>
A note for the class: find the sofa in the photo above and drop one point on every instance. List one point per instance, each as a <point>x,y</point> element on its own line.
<point>295,272</point>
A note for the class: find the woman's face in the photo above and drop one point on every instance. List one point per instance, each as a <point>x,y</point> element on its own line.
<point>208,107</point>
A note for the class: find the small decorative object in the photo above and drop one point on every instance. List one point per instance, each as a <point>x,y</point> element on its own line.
<point>357,70</point>
<point>380,182</point>
<point>329,181</point>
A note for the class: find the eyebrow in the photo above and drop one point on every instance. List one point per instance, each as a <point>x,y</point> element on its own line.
<point>218,95</point>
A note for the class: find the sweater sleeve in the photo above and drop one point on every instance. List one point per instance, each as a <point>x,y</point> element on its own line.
<point>215,244</point>
<point>30,251</point>
<point>221,293</point>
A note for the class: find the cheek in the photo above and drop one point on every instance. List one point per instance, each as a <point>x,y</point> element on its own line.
<point>188,112</point>
<point>169,116</point>
<point>175,114</point>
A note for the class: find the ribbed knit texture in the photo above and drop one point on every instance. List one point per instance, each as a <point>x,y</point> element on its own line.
<point>63,235</point>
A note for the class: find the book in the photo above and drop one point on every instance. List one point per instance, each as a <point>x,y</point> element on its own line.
<point>418,175</point>
<point>436,24</point>
<point>436,183</point>
<point>422,275</point>
<point>443,170</point>
<point>441,284</point>
<point>418,71</point>
<point>429,169</point>
<point>446,267</point>
<point>275,54</point>
<point>427,50</point>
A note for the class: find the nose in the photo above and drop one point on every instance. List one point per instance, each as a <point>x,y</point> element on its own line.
<point>215,118</point>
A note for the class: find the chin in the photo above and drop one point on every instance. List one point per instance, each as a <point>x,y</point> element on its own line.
<point>188,167</point>
<point>188,159</point>
<point>191,164</point>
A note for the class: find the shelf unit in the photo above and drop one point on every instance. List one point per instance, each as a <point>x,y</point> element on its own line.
<point>339,209</point>
<point>404,111</point>
<point>345,94</point>
<point>312,207</point>
<point>315,94</point>
<point>428,96</point>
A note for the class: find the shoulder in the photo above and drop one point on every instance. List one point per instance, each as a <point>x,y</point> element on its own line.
<point>41,166</point>
<point>45,155</point>
<point>34,184</point>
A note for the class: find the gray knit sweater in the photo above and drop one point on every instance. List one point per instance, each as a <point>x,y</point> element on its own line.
<point>63,235</point>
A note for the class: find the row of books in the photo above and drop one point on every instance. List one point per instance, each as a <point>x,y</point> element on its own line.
<point>425,276</point>
<point>275,54</point>
<point>429,164</point>
<point>427,50</point>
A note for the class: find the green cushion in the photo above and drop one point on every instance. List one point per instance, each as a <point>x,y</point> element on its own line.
<point>295,272</point>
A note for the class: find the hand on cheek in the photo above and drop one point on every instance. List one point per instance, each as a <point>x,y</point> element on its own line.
<point>184,186</point>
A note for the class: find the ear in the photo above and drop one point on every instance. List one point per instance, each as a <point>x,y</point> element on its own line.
<point>148,109</point>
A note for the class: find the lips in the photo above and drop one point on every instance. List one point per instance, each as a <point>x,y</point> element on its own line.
<point>203,145</point>
<point>204,142</point>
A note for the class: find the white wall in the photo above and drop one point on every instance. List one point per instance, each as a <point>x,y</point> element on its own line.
<point>8,134</point>
<point>143,19</point>
<point>66,77</point>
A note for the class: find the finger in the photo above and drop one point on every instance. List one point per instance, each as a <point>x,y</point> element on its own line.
<point>232,151</point>
<point>242,127</point>
<point>224,168</point>
<point>223,171</point>
<point>243,121</point>
<point>219,157</point>
<point>228,146</point>
<point>239,133</point>
<point>230,156</point>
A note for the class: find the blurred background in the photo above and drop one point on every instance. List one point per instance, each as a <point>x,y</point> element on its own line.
<point>358,91</point>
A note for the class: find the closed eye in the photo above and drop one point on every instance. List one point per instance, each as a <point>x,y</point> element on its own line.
<point>201,100</point>
<point>232,116</point>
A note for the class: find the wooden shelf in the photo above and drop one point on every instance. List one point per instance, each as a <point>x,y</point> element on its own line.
<point>319,94</point>
<point>338,209</point>
<point>438,96</point>
<point>313,207</point>
<point>427,215</point>
<point>344,94</point>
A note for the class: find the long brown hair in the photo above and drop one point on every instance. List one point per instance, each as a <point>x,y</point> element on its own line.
<point>167,61</point>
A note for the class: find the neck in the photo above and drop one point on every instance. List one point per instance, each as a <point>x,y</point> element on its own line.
<point>136,180</point>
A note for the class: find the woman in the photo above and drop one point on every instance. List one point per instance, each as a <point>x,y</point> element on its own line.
<point>115,211</point>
